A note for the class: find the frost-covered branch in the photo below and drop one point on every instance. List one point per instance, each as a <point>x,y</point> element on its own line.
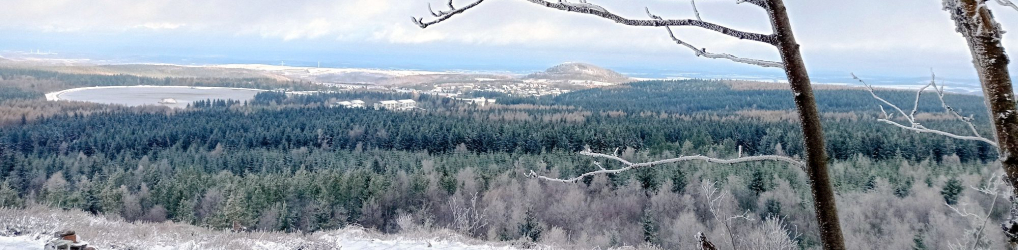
<point>443,15</point>
<point>467,218</point>
<point>583,7</point>
<point>714,198</point>
<point>914,125</point>
<point>602,12</point>
<point>761,3</point>
<point>1008,3</point>
<point>696,11</point>
<point>632,166</point>
<point>703,51</point>
<point>775,235</point>
<point>995,187</point>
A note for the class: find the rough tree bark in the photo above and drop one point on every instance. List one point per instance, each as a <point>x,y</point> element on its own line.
<point>813,137</point>
<point>975,22</point>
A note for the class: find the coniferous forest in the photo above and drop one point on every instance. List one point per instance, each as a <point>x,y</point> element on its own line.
<point>294,163</point>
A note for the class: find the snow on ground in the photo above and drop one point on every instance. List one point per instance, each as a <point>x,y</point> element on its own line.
<point>55,96</point>
<point>21,243</point>
<point>30,228</point>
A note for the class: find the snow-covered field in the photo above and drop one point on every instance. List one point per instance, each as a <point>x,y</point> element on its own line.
<point>24,242</point>
<point>151,95</point>
<point>30,228</point>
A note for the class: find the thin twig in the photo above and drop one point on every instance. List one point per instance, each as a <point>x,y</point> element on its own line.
<point>914,125</point>
<point>933,131</point>
<point>1008,3</point>
<point>632,166</point>
<point>443,15</point>
<point>695,11</point>
<point>714,205</point>
<point>995,187</point>
<point>703,51</point>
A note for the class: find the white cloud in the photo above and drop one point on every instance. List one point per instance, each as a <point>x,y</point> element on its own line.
<point>834,34</point>
<point>161,26</point>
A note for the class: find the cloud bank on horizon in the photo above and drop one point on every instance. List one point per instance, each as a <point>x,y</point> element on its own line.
<point>865,36</point>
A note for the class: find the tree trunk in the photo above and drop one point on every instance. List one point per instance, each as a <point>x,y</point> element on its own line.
<point>816,156</point>
<point>975,22</point>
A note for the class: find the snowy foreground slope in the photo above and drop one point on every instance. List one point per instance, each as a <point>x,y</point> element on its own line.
<point>30,228</point>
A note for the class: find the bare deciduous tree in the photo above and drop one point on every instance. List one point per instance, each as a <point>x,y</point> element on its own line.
<point>467,218</point>
<point>996,185</point>
<point>715,199</point>
<point>975,238</point>
<point>914,124</point>
<point>782,39</point>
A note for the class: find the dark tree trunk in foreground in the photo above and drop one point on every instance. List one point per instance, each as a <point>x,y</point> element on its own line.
<point>975,22</point>
<point>816,156</point>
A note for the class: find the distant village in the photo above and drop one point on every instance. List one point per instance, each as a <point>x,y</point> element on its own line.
<point>405,104</point>
<point>396,105</point>
<point>526,88</point>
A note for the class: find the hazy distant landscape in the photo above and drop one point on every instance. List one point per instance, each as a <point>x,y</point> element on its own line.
<point>218,163</point>
<point>538,124</point>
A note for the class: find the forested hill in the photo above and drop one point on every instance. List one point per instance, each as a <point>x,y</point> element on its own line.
<point>448,125</point>
<point>43,81</point>
<point>685,96</point>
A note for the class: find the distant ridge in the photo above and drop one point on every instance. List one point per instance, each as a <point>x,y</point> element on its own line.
<point>580,71</point>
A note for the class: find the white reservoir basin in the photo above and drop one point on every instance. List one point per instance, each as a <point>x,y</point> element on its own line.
<point>151,95</point>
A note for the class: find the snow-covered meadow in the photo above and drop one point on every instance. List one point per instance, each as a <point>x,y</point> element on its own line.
<point>30,228</point>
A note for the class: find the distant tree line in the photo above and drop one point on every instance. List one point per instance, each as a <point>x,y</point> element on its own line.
<point>47,81</point>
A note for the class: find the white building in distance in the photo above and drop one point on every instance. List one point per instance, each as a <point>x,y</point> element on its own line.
<point>405,104</point>
<point>350,104</point>
<point>480,101</point>
<point>389,104</point>
<point>357,104</point>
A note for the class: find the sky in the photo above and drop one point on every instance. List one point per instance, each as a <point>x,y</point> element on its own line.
<point>900,40</point>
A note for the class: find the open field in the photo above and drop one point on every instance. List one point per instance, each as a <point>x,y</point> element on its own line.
<point>29,229</point>
<point>151,95</point>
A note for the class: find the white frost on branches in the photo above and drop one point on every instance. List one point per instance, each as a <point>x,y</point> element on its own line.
<point>467,218</point>
<point>715,200</point>
<point>584,7</point>
<point>443,15</point>
<point>914,125</point>
<point>1008,3</point>
<point>631,166</point>
<point>583,4</point>
<point>703,51</point>
<point>774,234</point>
<point>974,236</point>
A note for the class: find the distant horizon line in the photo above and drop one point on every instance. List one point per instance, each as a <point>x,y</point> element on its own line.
<point>896,82</point>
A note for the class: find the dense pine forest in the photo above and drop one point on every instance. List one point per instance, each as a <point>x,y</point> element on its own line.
<point>294,163</point>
